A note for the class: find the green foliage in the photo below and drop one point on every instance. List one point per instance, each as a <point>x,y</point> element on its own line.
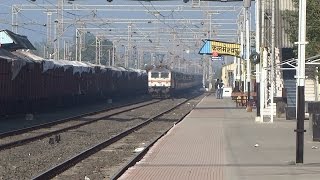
<point>313,26</point>
<point>89,51</point>
<point>40,46</point>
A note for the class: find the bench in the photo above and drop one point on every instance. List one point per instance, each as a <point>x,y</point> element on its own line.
<point>241,98</point>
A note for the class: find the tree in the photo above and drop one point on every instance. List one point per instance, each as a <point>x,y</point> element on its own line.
<point>40,46</point>
<point>89,52</point>
<point>313,26</point>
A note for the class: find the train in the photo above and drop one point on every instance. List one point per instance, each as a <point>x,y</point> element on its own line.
<point>164,82</point>
<point>29,83</point>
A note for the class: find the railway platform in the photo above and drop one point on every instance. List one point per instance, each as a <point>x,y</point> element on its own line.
<point>217,141</point>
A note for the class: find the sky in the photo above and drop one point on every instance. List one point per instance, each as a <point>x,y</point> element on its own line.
<point>32,23</point>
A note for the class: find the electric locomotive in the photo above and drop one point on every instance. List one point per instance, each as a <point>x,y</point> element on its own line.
<point>159,82</point>
<point>163,82</point>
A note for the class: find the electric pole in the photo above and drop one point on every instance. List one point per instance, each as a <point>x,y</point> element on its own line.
<point>301,81</point>
<point>247,5</point>
<point>258,52</point>
<point>49,34</point>
<point>59,27</point>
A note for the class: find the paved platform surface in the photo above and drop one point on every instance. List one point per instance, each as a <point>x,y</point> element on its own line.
<point>217,141</point>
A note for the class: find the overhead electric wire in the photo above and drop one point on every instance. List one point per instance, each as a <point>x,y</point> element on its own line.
<point>162,22</point>
<point>172,27</point>
<point>23,27</point>
<point>161,18</point>
<point>77,19</point>
<point>160,12</point>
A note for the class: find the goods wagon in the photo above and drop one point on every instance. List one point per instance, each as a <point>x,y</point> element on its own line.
<point>29,83</point>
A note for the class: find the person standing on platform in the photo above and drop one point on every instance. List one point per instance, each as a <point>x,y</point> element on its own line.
<point>220,90</point>
<point>216,88</point>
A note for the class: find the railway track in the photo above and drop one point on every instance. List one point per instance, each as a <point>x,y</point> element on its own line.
<point>27,135</point>
<point>25,161</point>
<point>151,123</point>
<point>55,122</point>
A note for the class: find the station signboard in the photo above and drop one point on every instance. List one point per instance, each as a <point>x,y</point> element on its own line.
<point>221,48</point>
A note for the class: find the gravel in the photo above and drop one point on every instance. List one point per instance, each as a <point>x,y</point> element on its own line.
<point>105,163</point>
<point>27,161</point>
<point>66,124</point>
<point>19,121</point>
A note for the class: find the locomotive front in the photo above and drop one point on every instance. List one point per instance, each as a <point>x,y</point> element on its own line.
<point>159,82</point>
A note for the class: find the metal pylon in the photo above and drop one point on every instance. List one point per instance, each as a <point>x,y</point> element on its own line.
<point>268,83</point>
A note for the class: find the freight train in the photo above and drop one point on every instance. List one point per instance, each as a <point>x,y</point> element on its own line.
<point>29,83</point>
<point>163,82</point>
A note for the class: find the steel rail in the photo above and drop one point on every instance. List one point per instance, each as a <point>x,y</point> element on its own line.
<point>41,136</point>
<point>140,155</point>
<point>49,124</point>
<point>76,159</point>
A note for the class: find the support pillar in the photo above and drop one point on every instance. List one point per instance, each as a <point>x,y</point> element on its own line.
<point>301,82</point>
<point>247,18</point>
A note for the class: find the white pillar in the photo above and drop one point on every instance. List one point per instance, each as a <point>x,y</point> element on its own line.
<point>242,78</point>
<point>301,82</point>
<point>263,85</point>
<point>113,53</point>
<point>257,18</point>
<point>248,47</point>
